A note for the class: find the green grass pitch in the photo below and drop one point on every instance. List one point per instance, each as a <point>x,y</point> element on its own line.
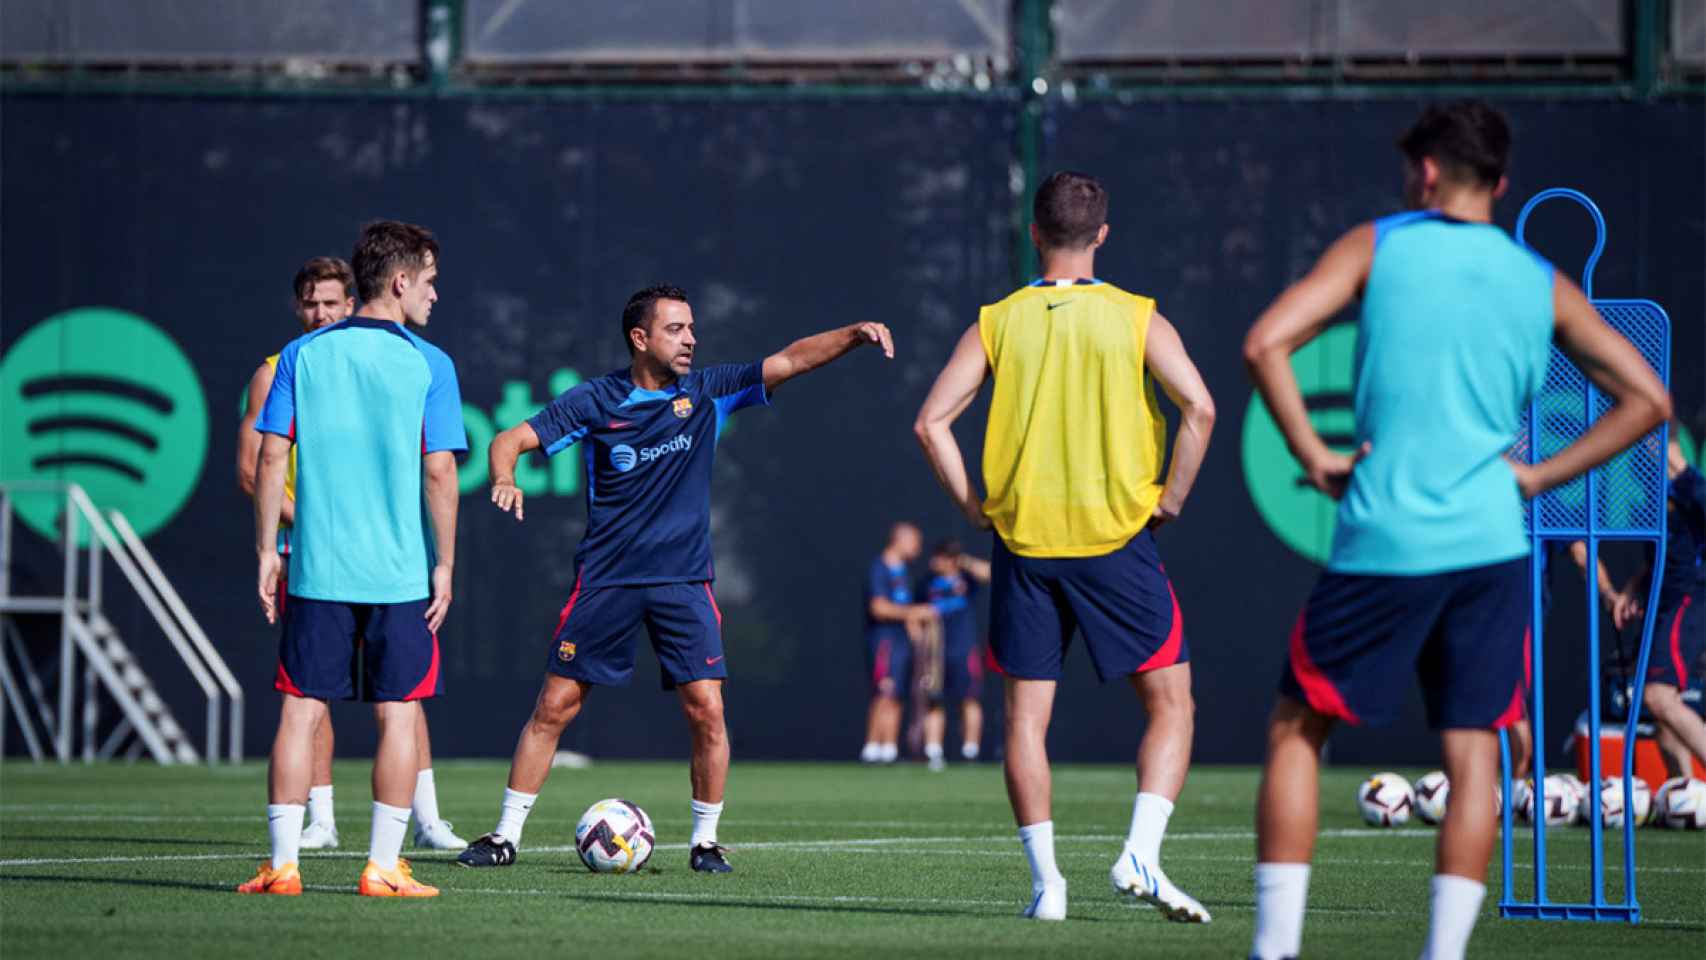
<point>831,860</point>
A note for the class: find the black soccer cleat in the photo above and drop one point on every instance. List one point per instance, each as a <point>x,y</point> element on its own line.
<point>710,858</point>
<point>490,850</point>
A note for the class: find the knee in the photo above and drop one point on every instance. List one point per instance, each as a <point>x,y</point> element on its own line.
<point>705,716</point>
<point>1173,703</point>
<point>1661,697</point>
<point>553,712</point>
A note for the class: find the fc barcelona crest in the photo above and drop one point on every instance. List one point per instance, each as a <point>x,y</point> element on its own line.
<point>566,651</point>
<point>683,407</point>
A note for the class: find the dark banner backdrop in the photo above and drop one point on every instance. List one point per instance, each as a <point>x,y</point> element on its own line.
<point>780,218</point>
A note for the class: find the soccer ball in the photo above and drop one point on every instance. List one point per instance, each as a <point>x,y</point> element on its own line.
<point>1611,802</point>
<point>1385,800</point>
<point>1681,803</point>
<point>1561,800</point>
<point>1431,793</point>
<point>614,836</point>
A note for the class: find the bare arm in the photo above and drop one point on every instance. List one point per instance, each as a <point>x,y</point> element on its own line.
<point>806,355</point>
<point>884,610</point>
<point>1616,368</point>
<point>249,441</point>
<point>269,495</point>
<point>1164,354</point>
<point>975,567</point>
<point>507,447</point>
<point>1298,316</point>
<point>439,475</point>
<point>953,391</point>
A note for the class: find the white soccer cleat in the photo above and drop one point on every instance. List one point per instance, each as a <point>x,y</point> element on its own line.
<point>438,836</point>
<point>320,835</point>
<point>1047,903</point>
<point>1146,883</point>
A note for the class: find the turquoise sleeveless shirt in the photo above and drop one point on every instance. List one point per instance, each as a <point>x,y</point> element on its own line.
<point>1454,338</point>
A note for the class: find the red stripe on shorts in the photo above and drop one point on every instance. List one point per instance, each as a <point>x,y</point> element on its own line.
<point>569,607</point>
<point>283,684</point>
<point>714,608</point>
<point>1676,643</point>
<point>1168,655</point>
<point>1324,698</point>
<point>429,683</point>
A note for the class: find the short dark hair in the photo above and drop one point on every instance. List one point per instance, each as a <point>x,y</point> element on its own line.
<point>1469,140</point>
<point>948,548</point>
<point>1069,210</point>
<point>641,308</point>
<point>385,247</point>
<point>323,268</point>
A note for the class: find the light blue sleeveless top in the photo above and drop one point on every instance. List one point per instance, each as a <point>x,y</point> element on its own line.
<point>1454,338</point>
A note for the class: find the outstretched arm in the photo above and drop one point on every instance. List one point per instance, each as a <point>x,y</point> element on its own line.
<point>804,356</point>
<point>1614,366</point>
<point>1164,354</point>
<point>954,390</point>
<point>1297,317</point>
<point>506,448</point>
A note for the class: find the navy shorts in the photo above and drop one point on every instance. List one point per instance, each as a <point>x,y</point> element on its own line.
<point>1122,602</point>
<point>594,640</point>
<point>962,672</point>
<point>375,652</point>
<point>1679,636</point>
<point>888,657</point>
<point>1361,638</point>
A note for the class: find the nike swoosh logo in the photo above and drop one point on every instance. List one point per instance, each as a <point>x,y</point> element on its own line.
<point>388,883</point>
<point>713,661</point>
<point>1060,304</point>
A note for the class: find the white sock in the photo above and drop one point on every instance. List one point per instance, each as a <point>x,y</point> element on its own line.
<point>968,751</point>
<point>284,826</point>
<point>705,816</point>
<point>889,752</point>
<point>1148,823</point>
<point>932,751</point>
<point>389,825</point>
<point>1282,889</point>
<point>320,805</point>
<point>426,799</point>
<point>514,815</point>
<point>1456,904</point>
<point>872,752</point>
<point>1038,839</point>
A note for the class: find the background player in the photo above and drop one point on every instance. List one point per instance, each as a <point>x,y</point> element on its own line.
<point>1071,459</point>
<point>1429,568</point>
<point>892,620</point>
<point>378,430</point>
<point>955,578</point>
<point>324,294</point>
<point>648,434</point>
<point>1679,632</point>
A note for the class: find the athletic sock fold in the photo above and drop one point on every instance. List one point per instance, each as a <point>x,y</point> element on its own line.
<point>320,808</point>
<point>513,817</point>
<point>389,825</point>
<point>1456,902</point>
<point>705,817</point>
<point>426,799</point>
<point>1282,891</point>
<point>1149,816</point>
<point>1038,841</point>
<point>284,828</point>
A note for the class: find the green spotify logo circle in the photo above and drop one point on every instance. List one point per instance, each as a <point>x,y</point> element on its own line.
<point>101,398</point>
<point>1301,516</point>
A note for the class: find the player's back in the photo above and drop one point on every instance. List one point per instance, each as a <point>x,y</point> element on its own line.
<point>361,392</point>
<point>1073,452</point>
<point>1454,338</point>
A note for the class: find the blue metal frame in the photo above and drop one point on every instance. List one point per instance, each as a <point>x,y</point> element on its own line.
<point>1543,907</point>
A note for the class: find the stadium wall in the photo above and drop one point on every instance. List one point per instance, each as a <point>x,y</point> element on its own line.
<point>781,217</point>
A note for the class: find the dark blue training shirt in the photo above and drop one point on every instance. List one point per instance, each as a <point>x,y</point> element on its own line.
<point>882,580</point>
<point>952,598</point>
<point>648,469</point>
<point>1685,546</point>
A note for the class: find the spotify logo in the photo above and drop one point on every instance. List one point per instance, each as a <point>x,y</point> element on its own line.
<point>102,398</point>
<point>1301,516</point>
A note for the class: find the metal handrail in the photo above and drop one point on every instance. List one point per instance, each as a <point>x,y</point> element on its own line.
<point>157,577</point>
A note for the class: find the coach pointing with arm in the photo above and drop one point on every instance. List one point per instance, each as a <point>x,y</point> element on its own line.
<point>648,433</point>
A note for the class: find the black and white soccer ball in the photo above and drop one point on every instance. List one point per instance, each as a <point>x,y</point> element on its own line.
<point>1681,804</point>
<point>614,836</point>
<point>1560,800</point>
<point>1611,810</point>
<point>1385,800</point>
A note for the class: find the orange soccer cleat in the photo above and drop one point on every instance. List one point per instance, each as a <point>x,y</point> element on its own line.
<point>398,882</point>
<point>285,881</point>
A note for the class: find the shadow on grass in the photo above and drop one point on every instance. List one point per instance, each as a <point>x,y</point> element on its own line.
<point>11,878</point>
<point>155,841</point>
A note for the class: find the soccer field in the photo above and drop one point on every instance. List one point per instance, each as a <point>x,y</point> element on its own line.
<point>831,860</point>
